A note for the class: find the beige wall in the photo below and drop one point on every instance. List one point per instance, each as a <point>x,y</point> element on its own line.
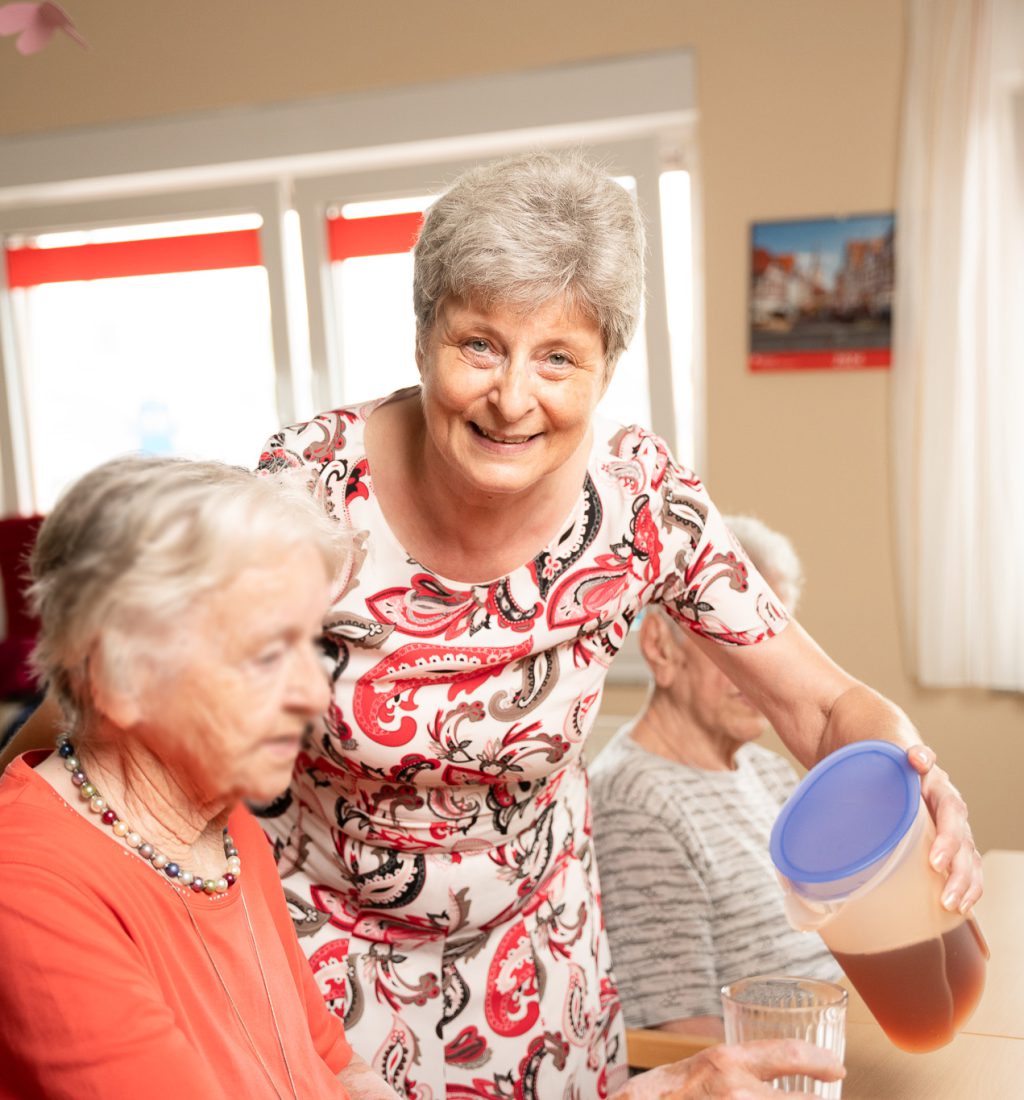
<point>799,109</point>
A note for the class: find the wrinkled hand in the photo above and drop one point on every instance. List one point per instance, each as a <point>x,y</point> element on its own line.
<point>738,1072</point>
<point>953,851</point>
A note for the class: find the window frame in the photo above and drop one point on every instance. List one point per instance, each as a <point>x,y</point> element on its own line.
<point>265,199</point>
<point>173,167</point>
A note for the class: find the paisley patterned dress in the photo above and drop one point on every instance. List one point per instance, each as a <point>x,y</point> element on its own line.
<point>435,846</point>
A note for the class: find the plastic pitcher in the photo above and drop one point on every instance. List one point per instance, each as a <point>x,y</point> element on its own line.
<point>851,848</point>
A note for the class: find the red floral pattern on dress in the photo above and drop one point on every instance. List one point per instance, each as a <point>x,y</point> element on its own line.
<point>436,842</point>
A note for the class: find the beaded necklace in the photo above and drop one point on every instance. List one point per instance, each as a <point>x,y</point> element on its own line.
<point>87,792</point>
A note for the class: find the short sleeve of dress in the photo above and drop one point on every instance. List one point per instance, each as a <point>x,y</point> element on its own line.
<point>310,445</point>
<point>315,454</point>
<point>707,582</point>
<point>320,444</point>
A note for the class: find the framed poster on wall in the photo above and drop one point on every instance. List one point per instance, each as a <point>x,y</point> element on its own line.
<point>821,293</point>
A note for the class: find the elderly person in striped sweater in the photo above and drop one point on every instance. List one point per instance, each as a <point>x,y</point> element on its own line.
<point>683,805</point>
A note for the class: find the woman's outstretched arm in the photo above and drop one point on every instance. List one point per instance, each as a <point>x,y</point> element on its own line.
<point>816,707</point>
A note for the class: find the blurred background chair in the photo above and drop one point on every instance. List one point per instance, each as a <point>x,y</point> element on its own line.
<point>18,692</point>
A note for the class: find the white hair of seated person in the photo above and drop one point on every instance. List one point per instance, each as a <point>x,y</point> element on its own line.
<point>773,556</point>
<point>133,544</point>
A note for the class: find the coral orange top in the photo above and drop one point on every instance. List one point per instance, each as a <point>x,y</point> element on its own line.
<point>107,989</point>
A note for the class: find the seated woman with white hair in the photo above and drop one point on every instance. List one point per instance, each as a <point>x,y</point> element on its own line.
<point>683,804</point>
<point>145,943</point>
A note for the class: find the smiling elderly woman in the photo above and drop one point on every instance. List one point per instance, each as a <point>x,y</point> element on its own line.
<point>145,945</point>
<point>436,841</point>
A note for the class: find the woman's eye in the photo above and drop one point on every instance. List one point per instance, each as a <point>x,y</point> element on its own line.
<point>270,657</point>
<point>559,359</point>
<point>481,347</point>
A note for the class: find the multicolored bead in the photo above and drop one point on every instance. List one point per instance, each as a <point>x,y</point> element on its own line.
<point>98,805</point>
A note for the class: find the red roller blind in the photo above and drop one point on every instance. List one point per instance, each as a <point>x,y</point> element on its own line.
<point>116,259</point>
<point>380,236</point>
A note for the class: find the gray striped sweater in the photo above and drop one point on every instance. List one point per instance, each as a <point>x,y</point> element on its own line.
<point>689,892</point>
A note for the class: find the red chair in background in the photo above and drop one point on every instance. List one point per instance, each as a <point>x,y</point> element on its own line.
<point>17,536</point>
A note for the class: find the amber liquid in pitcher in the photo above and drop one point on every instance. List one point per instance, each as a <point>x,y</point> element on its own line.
<point>922,994</point>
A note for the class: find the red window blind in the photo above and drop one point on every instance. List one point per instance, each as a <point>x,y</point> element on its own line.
<point>30,266</point>
<point>380,236</point>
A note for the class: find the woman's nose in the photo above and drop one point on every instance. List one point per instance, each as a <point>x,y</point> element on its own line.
<point>512,394</point>
<point>310,691</point>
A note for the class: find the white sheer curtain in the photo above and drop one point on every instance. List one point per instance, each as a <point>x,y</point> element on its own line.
<point>958,364</point>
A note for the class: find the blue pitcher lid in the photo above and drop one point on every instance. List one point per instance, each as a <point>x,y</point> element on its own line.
<point>849,812</point>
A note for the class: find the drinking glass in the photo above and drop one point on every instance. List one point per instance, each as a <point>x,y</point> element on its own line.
<point>779,1007</point>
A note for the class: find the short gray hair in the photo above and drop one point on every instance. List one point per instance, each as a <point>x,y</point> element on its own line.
<point>530,228</point>
<point>135,542</point>
<point>773,556</point>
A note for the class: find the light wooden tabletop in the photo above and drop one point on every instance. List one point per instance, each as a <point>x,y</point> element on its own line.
<point>984,1062</point>
<point>972,1067</point>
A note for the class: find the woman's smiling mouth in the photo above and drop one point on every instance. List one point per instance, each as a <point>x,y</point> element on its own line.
<point>500,438</point>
